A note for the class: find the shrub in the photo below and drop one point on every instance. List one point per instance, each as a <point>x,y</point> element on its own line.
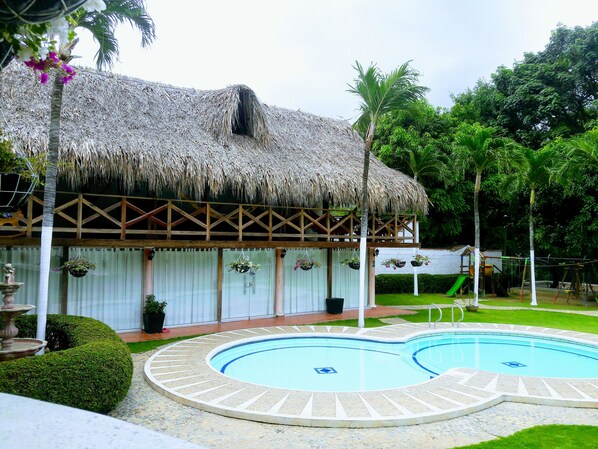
<point>403,283</point>
<point>88,366</point>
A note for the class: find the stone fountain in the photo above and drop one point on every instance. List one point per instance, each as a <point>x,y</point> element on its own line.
<point>14,348</point>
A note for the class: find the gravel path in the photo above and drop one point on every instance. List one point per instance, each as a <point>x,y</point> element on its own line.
<point>145,407</point>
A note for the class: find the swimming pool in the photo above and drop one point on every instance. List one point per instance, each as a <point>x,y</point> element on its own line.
<point>182,371</point>
<point>337,364</point>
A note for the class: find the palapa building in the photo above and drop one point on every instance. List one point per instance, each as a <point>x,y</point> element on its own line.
<point>163,187</point>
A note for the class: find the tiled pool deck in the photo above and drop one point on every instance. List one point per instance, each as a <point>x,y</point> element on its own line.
<point>180,372</point>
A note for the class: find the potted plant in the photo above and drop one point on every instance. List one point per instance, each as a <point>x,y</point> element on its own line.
<point>77,266</point>
<point>306,264</point>
<point>243,264</point>
<point>419,260</point>
<point>153,315</point>
<point>470,305</point>
<point>394,263</point>
<point>17,177</point>
<point>351,262</point>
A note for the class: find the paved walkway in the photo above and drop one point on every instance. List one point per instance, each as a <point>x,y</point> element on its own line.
<point>291,320</point>
<point>182,372</point>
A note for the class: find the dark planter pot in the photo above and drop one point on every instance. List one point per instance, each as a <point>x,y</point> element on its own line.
<point>14,190</point>
<point>415,263</point>
<point>472,308</point>
<point>242,269</point>
<point>401,264</point>
<point>78,273</point>
<point>153,323</point>
<point>354,265</point>
<point>36,11</point>
<point>334,305</point>
<point>306,267</point>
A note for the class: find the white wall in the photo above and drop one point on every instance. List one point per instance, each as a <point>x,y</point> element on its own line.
<point>442,261</point>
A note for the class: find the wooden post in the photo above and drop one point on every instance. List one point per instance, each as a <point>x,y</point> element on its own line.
<point>329,263</point>
<point>64,282</point>
<point>148,273</point>
<point>279,283</point>
<point>219,286</point>
<point>372,278</point>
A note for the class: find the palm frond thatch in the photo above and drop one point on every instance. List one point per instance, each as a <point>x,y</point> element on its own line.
<point>134,132</point>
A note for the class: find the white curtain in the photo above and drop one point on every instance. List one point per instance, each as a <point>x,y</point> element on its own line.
<point>26,264</point>
<point>187,280</point>
<point>113,292</point>
<point>345,280</point>
<point>245,295</point>
<point>305,291</point>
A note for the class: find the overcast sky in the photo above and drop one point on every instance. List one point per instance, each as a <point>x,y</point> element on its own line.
<point>298,54</point>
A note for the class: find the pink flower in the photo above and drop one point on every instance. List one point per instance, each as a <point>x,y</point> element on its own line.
<point>43,78</point>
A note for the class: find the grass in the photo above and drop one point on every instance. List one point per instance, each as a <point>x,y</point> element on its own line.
<point>556,320</point>
<point>143,346</point>
<point>542,437</point>
<point>407,299</point>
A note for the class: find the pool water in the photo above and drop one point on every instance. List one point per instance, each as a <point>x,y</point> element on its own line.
<point>353,364</point>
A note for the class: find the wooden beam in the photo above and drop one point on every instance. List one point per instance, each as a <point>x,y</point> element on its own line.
<point>220,277</point>
<point>279,283</point>
<point>329,278</point>
<point>372,277</point>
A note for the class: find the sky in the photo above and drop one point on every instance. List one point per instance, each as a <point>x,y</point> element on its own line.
<point>299,54</point>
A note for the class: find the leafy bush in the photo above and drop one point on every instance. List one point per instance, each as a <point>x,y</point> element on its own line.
<point>88,366</point>
<point>403,283</point>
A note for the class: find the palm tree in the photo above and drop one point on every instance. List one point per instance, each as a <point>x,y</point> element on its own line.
<point>533,170</point>
<point>476,145</point>
<point>426,161</point>
<point>102,25</point>
<point>379,94</point>
<point>581,155</point>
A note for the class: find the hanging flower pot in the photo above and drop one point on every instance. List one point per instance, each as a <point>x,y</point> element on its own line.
<point>306,264</point>
<point>243,264</point>
<point>78,273</point>
<point>394,263</point>
<point>36,11</point>
<point>352,262</point>
<point>77,266</point>
<point>419,260</point>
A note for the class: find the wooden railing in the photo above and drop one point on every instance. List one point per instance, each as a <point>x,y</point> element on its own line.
<point>94,218</point>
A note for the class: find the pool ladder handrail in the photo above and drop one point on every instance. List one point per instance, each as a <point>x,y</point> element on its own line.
<point>430,315</point>
<point>453,314</point>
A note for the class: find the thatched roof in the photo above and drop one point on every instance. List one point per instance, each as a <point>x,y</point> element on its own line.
<point>135,132</point>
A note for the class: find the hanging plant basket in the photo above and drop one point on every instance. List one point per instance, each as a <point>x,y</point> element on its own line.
<point>352,262</point>
<point>306,263</point>
<point>394,263</point>
<point>14,190</point>
<point>78,273</point>
<point>243,264</point>
<point>36,11</point>
<point>415,263</point>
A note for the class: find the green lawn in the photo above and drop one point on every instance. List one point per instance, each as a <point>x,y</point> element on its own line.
<point>407,299</point>
<point>545,437</point>
<point>143,346</point>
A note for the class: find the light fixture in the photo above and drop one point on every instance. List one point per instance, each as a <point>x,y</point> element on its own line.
<point>283,253</point>
<point>376,252</point>
<point>151,254</point>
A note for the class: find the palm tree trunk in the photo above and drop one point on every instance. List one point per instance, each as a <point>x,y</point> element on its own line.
<point>48,211</point>
<point>476,220</point>
<point>365,206</point>
<point>531,248</point>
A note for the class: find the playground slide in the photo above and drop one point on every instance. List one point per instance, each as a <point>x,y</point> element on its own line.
<point>458,284</point>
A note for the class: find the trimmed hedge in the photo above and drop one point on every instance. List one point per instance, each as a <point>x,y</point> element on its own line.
<point>403,283</point>
<point>88,366</point>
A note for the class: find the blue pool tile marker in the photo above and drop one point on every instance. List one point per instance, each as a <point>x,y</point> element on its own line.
<point>514,364</point>
<point>326,370</point>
